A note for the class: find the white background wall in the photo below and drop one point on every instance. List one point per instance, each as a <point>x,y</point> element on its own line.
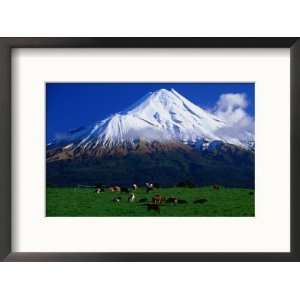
<point>130,280</point>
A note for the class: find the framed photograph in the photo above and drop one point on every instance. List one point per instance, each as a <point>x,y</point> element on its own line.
<point>149,149</point>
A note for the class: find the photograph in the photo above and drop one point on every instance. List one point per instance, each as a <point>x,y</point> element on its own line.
<point>150,149</point>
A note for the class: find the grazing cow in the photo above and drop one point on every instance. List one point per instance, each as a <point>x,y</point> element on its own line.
<point>153,206</point>
<point>173,200</point>
<point>134,186</point>
<point>124,190</point>
<point>131,198</point>
<point>99,188</point>
<point>158,199</point>
<point>200,201</point>
<point>216,187</point>
<point>180,201</point>
<point>117,200</point>
<point>111,189</point>
<point>149,187</point>
<point>117,189</point>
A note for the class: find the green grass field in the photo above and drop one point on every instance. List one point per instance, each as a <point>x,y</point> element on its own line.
<point>84,202</point>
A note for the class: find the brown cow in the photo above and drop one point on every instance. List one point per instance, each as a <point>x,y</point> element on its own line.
<point>158,199</point>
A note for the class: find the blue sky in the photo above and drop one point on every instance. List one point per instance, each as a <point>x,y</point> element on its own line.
<point>71,105</point>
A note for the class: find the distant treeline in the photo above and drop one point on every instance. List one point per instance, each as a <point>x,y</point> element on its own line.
<point>166,169</point>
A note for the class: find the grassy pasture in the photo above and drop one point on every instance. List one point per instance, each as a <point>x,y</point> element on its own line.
<point>84,202</point>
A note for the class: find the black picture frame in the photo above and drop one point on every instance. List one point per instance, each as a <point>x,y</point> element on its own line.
<point>7,44</point>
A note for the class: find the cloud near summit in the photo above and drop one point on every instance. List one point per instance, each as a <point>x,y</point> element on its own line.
<point>232,109</point>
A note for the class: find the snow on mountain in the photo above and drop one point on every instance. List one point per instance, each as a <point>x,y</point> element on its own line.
<point>163,115</point>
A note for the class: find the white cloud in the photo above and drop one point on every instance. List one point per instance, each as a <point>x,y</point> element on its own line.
<point>232,109</point>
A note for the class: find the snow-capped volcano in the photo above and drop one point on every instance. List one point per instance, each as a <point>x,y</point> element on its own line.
<point>162,116</point>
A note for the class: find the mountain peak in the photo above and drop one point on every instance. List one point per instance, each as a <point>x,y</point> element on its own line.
<point>159,97</point>
<point>161,115</point>
<point>166,94</point>
<point>162,91</point>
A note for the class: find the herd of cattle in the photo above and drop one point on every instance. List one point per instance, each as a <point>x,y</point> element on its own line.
<point>156,201</point>
<point>149,187</point>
